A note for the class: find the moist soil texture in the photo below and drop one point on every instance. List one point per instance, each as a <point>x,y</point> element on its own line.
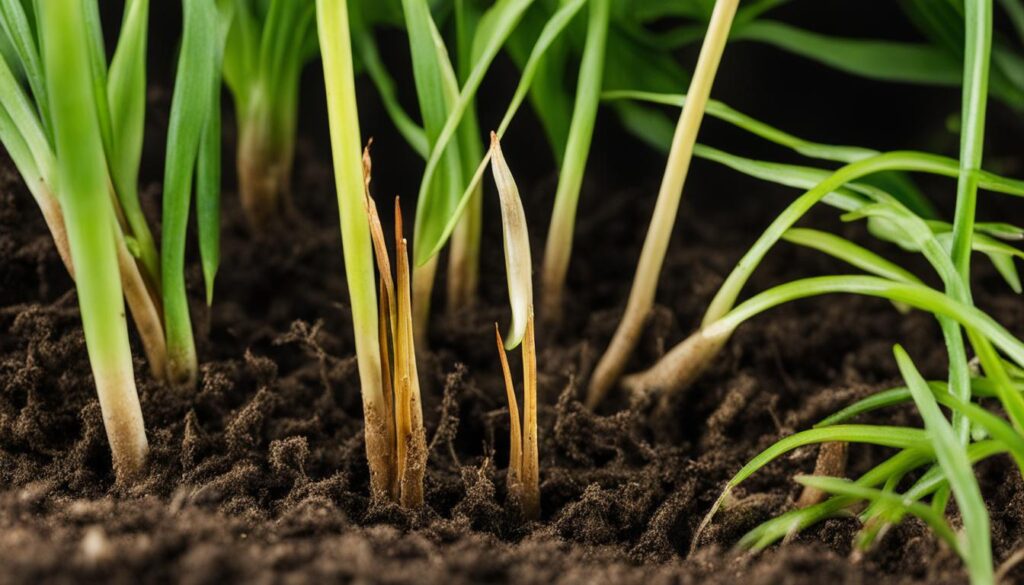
<point>259,474</point>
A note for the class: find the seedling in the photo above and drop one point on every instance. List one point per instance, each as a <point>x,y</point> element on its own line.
<point>524,467</point>
<point>558,250</point>
<point>269,43</point>
<point>641,296</point>
<point>336,54</point>
<point>77,140</point>
<point>80,168</point>
<point>193,148</point>
<point>26,129</point>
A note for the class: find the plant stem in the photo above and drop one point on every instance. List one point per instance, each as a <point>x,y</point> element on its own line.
<point>978,14</point>
<point>464,253</point>
<point>336,52</point>
<point>581,131</point>
<point>422,290</point>
<point>641,296</point>
<point>978,45</point>
<point>675,370</point>
<point>266,150</point>
<point>91,228</point>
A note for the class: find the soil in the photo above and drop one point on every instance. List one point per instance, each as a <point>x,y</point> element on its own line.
<point>260,476</point>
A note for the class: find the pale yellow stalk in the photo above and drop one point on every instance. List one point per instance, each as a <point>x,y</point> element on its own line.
<point>641,296</point>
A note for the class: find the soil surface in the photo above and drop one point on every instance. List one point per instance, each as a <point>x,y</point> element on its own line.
<point>260,476</point>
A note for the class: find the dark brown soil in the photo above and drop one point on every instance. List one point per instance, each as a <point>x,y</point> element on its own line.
<point>259,475</point>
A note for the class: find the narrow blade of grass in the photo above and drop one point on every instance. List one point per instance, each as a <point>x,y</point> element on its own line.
<point>957,467</point>
<point>845,487</point>
<point>91,227</point>
<point>190,107</point>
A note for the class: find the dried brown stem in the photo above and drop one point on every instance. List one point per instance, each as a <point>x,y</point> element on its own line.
<point>831,463</point>
<point>515,451</point>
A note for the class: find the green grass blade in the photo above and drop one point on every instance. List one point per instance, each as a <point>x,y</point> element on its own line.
<point>958,470</point>
<point>433,75</point>
<point>208,165</point>
<point>558,249</point>
<point>844,487</point>
<point>126,102</point>
<point>980,388</point>
<point>548,97</point>
<point>717,109</point>
<point>366,46</point>
<point>897,160</point>
<point>848,252</point>
<point>549,34</point>
<point>915,295</point>
<point>190,110</point>
<point>896,183</point>
<point>241,53</point>
<point>905,438</point>
<point>1011,400</point>
<point>886,436</point>
<point>896,466</point>
<point>91,227</point>
<point>346,151</point>
<point>436,208</point>
<point>978,45</point>
<point>874,59</point>
<point>25,121</point>
<point>18,31</point>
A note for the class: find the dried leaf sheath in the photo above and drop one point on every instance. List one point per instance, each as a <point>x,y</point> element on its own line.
<point>531,464</point>
<point>515,451</point>
<point>405,436</point>
<point>523,461</point>
<point>412,437</point>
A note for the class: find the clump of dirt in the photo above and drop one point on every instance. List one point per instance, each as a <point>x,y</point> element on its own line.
<point>259,475</point>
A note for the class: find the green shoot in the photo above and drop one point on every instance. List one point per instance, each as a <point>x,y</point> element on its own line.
<point>267,47</point>
<point>641,296</point>
<point>898,465</point>
<point>843,487</point>
<point>90,228</point>
<point>336,53</point>
<point>686,361</point>
<point>26,132</point>
<point>435,90</point>
<point>524,466</point>
<point>558,249</point>
<point>957,468</point>
<point>437,208</point>
<point>438,235</point>
<point>190,113</point>
<point>886,436</point>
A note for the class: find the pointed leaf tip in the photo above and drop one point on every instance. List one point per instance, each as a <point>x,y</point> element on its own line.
<point>518,263</point>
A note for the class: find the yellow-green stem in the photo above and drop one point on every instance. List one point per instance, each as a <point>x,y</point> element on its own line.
<point>641,296</point>
<point>346,149</point>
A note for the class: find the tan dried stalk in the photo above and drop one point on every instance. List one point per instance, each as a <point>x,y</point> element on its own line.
<point>523,459</point>
<point>403,446</point>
